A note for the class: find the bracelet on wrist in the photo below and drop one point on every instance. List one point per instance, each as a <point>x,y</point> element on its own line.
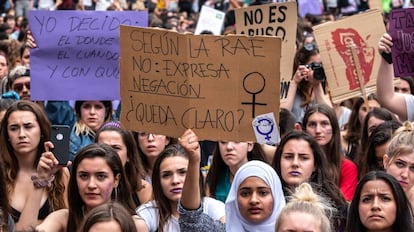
<point>39,183</point>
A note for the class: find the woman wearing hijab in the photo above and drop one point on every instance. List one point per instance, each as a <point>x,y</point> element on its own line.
<point>253,204</point>
<point>255,198</point>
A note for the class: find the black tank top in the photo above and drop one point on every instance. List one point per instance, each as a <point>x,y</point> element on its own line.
<point>43,212</point>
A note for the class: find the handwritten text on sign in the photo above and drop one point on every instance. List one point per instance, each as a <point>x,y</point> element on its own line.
<point>212,84</point>
<point>402,33</point>
<point>78,51</point>
<point>276,19</point>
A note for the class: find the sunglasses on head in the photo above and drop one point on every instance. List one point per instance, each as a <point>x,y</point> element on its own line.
<point>19,86</point>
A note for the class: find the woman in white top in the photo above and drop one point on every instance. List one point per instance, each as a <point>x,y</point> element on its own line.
<point>253,204</point>
<point>168,178</point>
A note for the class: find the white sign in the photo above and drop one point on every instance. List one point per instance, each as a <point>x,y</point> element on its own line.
<point>210,20</point>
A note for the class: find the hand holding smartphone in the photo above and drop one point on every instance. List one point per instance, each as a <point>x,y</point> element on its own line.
<point>60,137</point>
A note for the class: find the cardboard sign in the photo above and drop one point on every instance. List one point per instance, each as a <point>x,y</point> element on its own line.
<point>77,54</point>
<point>214,85</point>
<point>210,20</point>
<point>375,5</point>
<point>275,19</point>
<point>402,32</point>
<point>335,40</point>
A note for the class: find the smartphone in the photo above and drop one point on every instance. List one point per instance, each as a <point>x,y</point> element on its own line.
<point>60,137</point>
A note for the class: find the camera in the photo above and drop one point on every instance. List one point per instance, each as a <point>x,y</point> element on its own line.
<point>318,71</point>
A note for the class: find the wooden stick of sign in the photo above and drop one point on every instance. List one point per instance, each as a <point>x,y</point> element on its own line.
<point>357,65</point>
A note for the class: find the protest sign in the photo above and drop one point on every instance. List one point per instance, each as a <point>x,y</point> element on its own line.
<point>375,5</point>
<point>77,54</point>
<point>335,40</point>
<point>210,20</point>
<point>275,19</point>
<point>214,85</point>
<point>402,32</point>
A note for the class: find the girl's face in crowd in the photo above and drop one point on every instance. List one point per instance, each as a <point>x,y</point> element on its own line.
<point>307,223</point>
<point>108,226</point>
<point>172,173</point>
<point>24,132</point>
<point>380,151</point>
<point>152,144</point>
<point>234,154</point>
<point>402,168</point>
<point>93,114</point>
<point>3,66</point>
<point>372,123</point>
<point>320,128</point>
<point>255,200</point>
<point>96,181</point>
<point>377,207</point>
<point>26,57</point>
<point>297,162</point>
<point>402,86</point>
<point>22,86</point>
<point>114,139</point>
<point>363,111</point>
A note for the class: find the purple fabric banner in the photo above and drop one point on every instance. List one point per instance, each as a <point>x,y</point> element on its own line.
<point>77,54</point>
<point>402,32</point>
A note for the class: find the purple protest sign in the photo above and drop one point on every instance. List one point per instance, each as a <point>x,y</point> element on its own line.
<point>402,32</point>
<point>77,54</point>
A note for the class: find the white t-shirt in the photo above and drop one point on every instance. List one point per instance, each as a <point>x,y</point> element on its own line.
<point>149,212</point>
<point>344,117</point>
<point>102,5</point>
<point>46,4</point>
<point>409,103</point>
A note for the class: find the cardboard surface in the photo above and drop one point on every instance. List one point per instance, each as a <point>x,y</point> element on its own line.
<point>274,19</point>
<point>212,84</point>
<point>334,40</point>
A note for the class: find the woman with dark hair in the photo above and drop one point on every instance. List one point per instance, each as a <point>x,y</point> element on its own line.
<point>375,117</point>
<point>300,159</point>
<point>305,88</point>
<point>351,136</point>
<point>228,157</point>
<point>379,204</point>
<point>320,122</point>
<point>150,146</point>
<point>91,116</point>
<point>404,85</point>
<point>97,177</point>
<point>6,221</point>
<point>377,147</point>
<point>168,176</point>
<point>124,143</point>
<point>25,130</point>
<point>108,217</point>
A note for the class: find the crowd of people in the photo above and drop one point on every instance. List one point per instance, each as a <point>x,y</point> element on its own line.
<point>345,166</point>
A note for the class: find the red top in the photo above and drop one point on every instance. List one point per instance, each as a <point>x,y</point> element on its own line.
<point>348,179</point>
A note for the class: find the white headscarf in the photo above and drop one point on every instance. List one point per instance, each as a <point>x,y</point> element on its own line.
<point>235,222</point>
